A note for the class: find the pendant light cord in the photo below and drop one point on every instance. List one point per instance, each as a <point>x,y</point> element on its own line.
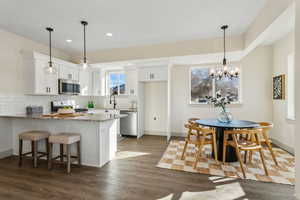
<point>84,23</point>
<point>84,38</point>
<point>50,45</point>
<point>50,48</point>
<point>224,45</point>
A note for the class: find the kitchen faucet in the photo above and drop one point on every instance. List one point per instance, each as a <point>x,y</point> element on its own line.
<point>114,99</point>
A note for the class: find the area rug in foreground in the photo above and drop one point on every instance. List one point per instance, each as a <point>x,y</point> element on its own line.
<point>284,173</point>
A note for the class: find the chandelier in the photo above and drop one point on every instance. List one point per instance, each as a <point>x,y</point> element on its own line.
<point>224,71</point>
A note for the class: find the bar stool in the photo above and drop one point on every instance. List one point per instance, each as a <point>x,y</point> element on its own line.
<point>33,136</point>
<point>64,139</point>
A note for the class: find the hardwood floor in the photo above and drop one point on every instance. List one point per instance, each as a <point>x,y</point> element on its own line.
<point>132,176</point>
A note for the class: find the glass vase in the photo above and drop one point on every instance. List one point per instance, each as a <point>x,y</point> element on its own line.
<point>225,116</point>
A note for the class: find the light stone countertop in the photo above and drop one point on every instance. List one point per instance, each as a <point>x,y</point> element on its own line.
<point>85,117</point>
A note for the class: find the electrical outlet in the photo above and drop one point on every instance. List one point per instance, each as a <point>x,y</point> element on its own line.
<point>154,118</point>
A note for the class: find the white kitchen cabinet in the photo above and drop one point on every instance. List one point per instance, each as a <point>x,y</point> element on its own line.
<point>86,82</point>
<point>96,83</point>
<point>131,78</point>
<point>68,72</point>
<point>157,73</point>
<point>44,84</point>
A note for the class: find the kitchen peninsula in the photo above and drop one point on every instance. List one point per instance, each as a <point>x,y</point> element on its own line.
<point>98,134</point>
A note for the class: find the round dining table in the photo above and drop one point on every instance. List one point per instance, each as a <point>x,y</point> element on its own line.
<point>220,128</point>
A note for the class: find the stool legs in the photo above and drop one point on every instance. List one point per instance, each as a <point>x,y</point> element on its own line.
<point>68,158</point>
<point>61,149</point>
<point>50,146</point>
<point>34,152</point>
<point>34,147</point>
<point>47,148</point>
<point>67,155</point>
<point>20,152</point>
<point>79,153</point>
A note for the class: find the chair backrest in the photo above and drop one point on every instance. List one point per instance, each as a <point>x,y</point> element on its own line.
<point>250,133</point>
<point>266,125</point>
<point>193,121</point>
<point>198,130</point>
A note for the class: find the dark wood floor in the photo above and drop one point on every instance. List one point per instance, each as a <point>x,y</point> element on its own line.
<point>129,178</point>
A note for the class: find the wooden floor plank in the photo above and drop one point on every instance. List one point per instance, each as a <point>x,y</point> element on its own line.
<point>133,177</point>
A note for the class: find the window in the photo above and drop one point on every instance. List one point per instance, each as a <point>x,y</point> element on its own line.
<point>291,87</point>
<point>116,82</point>
<point>201,85</point>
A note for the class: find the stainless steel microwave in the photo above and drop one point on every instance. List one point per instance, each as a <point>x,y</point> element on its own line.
<point>70,87</point>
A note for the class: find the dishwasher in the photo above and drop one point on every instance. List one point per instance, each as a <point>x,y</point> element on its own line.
<point>128,125</point>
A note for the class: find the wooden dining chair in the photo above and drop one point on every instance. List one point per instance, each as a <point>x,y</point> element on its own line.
<point>242,144</point>
<point>202,137</point>
<point>193,121</point>
<point>265,140</point>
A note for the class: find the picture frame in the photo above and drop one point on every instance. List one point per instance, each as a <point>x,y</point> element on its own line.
<point>279,87</point>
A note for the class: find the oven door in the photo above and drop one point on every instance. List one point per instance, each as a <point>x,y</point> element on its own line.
<point>69,87</point>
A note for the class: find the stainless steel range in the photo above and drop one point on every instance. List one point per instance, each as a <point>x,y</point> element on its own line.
<point>55,105</point>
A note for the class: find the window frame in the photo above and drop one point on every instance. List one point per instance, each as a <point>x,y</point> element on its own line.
<point>107,78</point>
<point>290,115</point>
<point>214,84</point>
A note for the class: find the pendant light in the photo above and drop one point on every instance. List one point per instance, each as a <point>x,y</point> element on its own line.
<point>224,71</point>
<point>84,61</point>
<point>50,68</point>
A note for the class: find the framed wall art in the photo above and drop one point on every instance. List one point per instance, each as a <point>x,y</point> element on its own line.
<point>279,87</point>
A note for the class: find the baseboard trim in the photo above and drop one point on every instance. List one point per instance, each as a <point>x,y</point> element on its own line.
<point>159,133</point>
<point>6,153</point>
<point>178,134</point>
<point>284,146</point>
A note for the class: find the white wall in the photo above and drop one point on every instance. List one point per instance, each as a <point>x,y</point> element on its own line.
<point>284,129</point>
<point>12,64</point>
<point>256,92</point>
<point>155,106</point>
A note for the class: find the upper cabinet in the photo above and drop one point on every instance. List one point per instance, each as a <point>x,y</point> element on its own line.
<point>37,81</point>
<point>86,82</point>
<point>69,72</point>
<point>97,83</point>
<point>157,73</point>
<point>131,81</point>
<point>40,83</point>
<point>44,84</point>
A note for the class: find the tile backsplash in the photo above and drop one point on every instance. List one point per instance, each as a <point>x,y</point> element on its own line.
<point>16,104</point>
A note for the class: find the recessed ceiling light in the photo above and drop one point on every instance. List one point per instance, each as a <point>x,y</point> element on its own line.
<point>109,34</point>
<point>68,40</point>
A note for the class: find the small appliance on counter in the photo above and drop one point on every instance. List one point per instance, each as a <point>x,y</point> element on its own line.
<point>66,106</point>
<point>30,110</point>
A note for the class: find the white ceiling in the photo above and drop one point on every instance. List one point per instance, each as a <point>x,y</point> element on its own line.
<point>132,22</point>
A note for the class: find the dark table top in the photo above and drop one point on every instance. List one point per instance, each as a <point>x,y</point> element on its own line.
<point>233,124</point>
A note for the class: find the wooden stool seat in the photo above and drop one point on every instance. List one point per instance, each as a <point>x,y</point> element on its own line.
<point>34,135</point>
<point>64,138</point>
